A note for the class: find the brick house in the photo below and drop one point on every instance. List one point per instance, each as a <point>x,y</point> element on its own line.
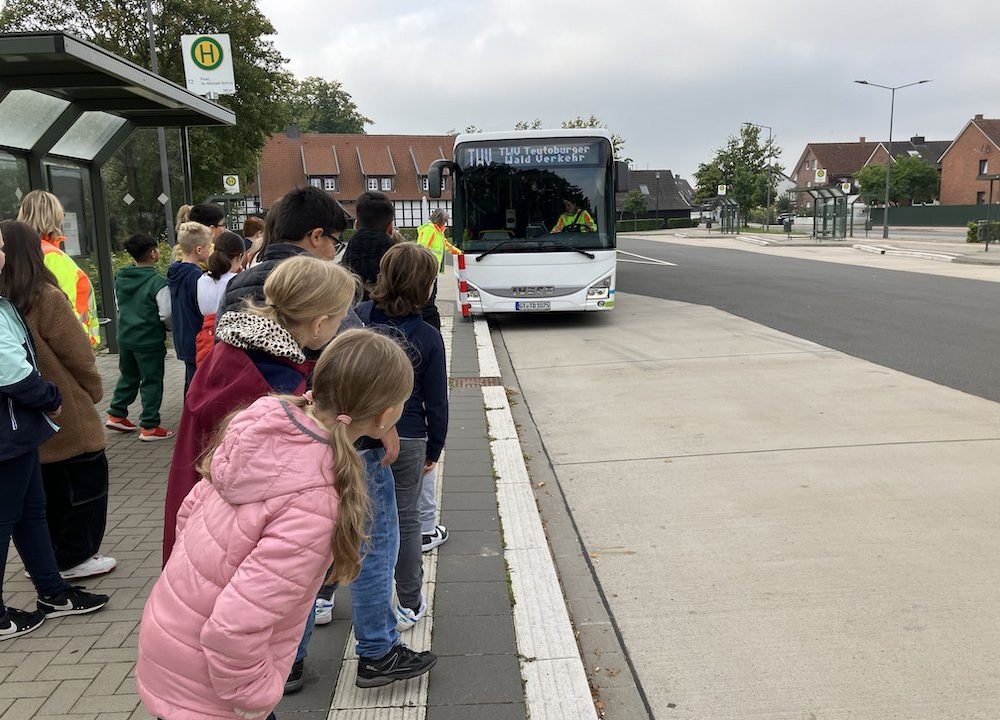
<point>347,165</point>
<point>976,151</point>
<point>842,160</point>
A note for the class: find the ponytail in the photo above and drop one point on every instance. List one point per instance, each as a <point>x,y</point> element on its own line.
<point>228,247</point>
<point>354,513</point>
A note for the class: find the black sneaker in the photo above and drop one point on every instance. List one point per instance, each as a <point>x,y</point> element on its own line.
<point>295,681</point>
<point>74,601</point>
<point>15,623</point>
<point>400,663</point>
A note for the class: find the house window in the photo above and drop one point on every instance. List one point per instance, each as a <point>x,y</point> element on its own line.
<point>981,197</point>
<point>372,183</point>
<point>316,182</point>
<point>330,184</point>
<point>983,164</point>
<point>424,183</point>
<point>386,184</point>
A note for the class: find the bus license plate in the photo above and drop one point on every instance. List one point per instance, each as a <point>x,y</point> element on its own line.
<point>533,306</point>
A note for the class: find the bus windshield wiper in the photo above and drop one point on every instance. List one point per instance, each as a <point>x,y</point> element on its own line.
<point>493,249</point>
<point>569,247</point>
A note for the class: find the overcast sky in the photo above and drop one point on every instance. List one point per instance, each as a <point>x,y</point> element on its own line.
<point>674,79</point>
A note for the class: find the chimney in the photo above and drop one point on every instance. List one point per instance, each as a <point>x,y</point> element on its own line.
<point>292,131</point>
<point>862,139</point>
<point>978,117</point>
<point>918,140</point>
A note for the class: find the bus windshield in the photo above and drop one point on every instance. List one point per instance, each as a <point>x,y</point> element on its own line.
<point>531,196</point>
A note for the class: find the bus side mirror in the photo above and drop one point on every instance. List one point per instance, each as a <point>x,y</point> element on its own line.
<point>621,177</point>
<point>435,176</point>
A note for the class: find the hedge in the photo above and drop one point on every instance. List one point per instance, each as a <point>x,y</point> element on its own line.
<point>674,223</point>
<point>973,234</point>
<point>639,225</point>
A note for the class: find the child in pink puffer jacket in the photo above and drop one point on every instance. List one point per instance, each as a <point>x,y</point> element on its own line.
<point>284,493</point>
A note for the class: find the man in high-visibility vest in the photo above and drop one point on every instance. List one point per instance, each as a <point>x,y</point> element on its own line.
<point>431,236</point>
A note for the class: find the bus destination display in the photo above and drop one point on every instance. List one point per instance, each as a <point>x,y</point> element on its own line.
<point>533,155</point>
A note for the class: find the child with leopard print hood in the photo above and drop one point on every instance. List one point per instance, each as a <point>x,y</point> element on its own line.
<point>259,352</point>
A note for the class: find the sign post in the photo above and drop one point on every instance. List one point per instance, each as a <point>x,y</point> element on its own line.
<point>722,190</point>
<point>231,184</point>
<point>208,64</point>
<point>821,176</point>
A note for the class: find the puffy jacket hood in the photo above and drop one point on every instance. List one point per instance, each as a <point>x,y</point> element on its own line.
<point>271,449</point>
<point>179,271</point>
<point>133,277</point>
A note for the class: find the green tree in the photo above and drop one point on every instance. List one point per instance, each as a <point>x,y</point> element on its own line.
<point>535,124</point>
<point>743,165</point>
<point>617,141</point>
<point>635,203</point>
<point>912,180</point>
<point>323,106</point>
<point>257,65</point>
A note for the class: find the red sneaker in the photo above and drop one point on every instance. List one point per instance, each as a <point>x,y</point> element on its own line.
<point>120,424</point>
<point>157,433</point>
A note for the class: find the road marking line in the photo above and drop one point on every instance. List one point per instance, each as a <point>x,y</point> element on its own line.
<point>406,700</point>
<point>653,261</point>
<point>643,262</point>
<point>556,686</point>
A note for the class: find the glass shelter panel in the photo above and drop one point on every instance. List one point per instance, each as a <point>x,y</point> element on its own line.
<point>14,184</point>
<point>25,115</point>
<point>88,135</point>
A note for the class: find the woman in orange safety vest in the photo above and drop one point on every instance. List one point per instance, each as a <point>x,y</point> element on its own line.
<point>43,212</point>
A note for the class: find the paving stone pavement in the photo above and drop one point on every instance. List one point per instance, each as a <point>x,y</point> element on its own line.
<point>82,668</point>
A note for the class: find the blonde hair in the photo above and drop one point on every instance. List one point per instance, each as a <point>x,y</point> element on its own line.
<point>304,288</point>
<point>360,374</point>
<point>43,212</point>
<point>183,215</point>
<point>192,234</point>
<point>404,279</point>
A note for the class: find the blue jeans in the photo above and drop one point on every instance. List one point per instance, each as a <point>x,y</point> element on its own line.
<point>22,517</point>
<point>300,654</point>
<point>371,592</point>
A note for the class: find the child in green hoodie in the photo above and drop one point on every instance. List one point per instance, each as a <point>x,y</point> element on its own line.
<point>143,321</point>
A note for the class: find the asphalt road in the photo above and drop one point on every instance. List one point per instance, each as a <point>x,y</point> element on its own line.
<point>942,329</point>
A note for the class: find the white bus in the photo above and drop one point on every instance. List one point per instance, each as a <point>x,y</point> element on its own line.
<point>534,212</point>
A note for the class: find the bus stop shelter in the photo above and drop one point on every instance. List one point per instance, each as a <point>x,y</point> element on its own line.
<point>729,213</point>
<point>66,106</point>
<point>830,212</point>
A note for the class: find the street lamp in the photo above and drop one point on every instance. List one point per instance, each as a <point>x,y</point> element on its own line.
<point>888,162</point>
<point>770,163</point>
<point>657,194</point>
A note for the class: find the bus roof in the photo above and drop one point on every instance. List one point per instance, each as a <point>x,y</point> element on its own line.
<point>533,135</point>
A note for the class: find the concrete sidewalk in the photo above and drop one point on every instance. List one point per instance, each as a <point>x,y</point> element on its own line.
<point>82,668</point>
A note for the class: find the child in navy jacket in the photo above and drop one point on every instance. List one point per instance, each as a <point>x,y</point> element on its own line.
<point>195,242</point>
<point>406,277</point>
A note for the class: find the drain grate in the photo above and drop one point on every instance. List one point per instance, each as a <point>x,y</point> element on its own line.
<point>474,382</point>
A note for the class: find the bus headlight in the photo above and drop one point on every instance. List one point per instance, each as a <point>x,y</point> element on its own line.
<point>473,293</point>
<point>600,290</point>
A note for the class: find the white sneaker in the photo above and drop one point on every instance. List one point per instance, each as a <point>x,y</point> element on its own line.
<point>406,618</point>
<point>432,540</point>
<point>97,565</point>
<point>324,611</point>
